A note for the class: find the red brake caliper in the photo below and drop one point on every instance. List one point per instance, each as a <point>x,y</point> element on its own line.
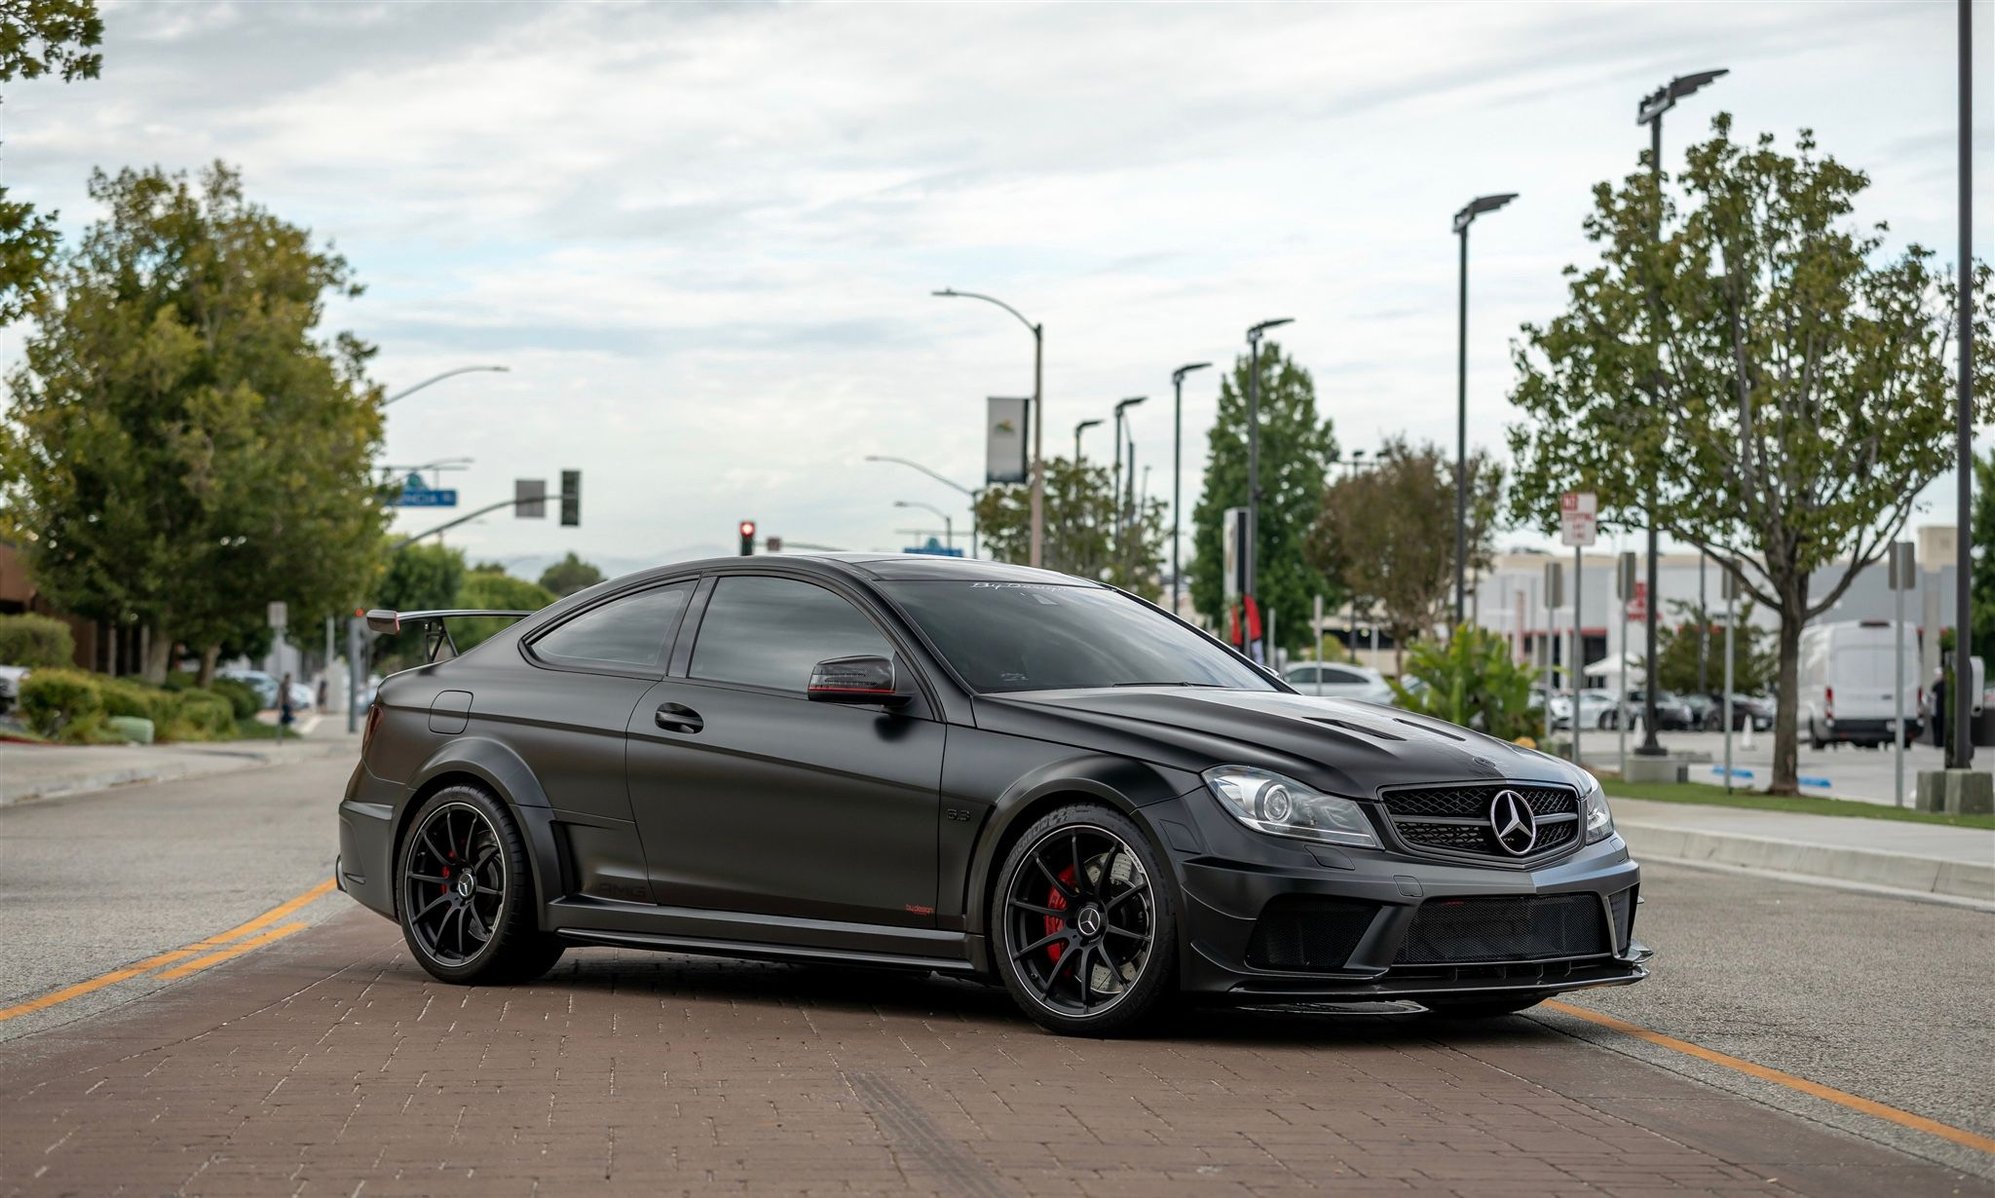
<point>1054,923</point>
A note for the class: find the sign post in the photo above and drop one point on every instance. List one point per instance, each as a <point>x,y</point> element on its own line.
<point>1554,599</point>
<point>277,615</point>
<point>1579,527</point>
<point>1005,429</point>
<point>1625,590</point>
<point>1728,587</point>
<point>1904,569</point>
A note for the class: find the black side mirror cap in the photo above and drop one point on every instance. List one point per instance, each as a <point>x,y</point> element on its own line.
<point>864,680</point>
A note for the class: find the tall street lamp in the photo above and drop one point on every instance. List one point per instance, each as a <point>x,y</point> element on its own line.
<point>1116,487</point>
<point>1962,755</point>
<point>1177,470</point>
<point>1036,552</point>
<point>974,493</point>
<point>1463,220</point>
<point>948,527</point>
<point>1251,592</point>
<point>1650,112</point>
<point>405,392</point>
<point>1080,428</point>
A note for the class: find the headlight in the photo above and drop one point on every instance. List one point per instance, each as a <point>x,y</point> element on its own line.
<point>1282,806</point>
<point>1593,809</point>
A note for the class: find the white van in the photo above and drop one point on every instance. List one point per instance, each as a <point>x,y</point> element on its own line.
<point>1845,688</point>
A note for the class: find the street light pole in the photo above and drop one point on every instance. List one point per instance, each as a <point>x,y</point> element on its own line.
<point>1177,472</point>
<point>1963,664</point>
<point>1116,488</point>
<point>1080,428</point>
<point>405,392</point>
<point>975,493</point>
<point>1037,417</point>
<point>948,525</point>
<point>1251,592</point>
<point>1650,112</point>
<point>1463,220</point>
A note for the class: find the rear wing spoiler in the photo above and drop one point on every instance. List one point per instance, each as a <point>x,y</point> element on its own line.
<point>434,624</point>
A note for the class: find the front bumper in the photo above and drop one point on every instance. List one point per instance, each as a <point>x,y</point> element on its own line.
<point>1285,921</point>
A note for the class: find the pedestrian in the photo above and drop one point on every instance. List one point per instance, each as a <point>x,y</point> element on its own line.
<point>286,713</point>
<point>325,695</point>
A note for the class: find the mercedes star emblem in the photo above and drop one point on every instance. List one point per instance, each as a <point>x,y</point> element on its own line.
<point>1511,819</point>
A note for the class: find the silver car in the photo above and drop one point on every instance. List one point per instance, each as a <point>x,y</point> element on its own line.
<point>1335,680</point>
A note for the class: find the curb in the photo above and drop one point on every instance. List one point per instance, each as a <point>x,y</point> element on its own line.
<point>201,765</point>
<point>1863,868</point>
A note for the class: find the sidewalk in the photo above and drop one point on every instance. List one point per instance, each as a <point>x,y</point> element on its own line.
<point>46,771</point>
<point>1923,859</point>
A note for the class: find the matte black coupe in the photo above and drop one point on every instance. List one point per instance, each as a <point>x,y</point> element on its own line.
<point>969,768</point>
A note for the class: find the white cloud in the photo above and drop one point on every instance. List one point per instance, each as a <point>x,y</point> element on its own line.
<point>703,238</point>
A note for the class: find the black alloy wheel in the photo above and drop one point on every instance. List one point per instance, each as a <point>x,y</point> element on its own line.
<point>1084,929</point>
<point>466,894</point>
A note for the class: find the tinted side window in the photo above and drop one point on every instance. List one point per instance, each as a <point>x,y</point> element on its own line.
<point>627,633</point>
<point>1332,674</point>
<point>771,631</point>
<point>1302,674</point>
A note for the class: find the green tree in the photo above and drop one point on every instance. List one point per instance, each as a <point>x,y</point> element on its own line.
<point>1297,447</point>
<point>37,38</point>
<point>1470,680</point>
<point>417,578</point>
<point>501,592</point>
<point>1387,535</point>
<point>1080,526</point>
<point>569,575</point>
<point>1753,662</point>
<point>182,446</point>
<point>1764,377</point>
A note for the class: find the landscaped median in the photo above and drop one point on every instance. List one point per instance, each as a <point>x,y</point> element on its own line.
<point>77,707</point>
<point>1860,845</point>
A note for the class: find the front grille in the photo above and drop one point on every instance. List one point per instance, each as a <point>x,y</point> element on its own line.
<point>1455,820</point>
<point>1308,933</point>
<point>1521,928</point>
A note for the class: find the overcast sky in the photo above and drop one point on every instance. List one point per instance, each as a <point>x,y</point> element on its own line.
<point>703,238</point>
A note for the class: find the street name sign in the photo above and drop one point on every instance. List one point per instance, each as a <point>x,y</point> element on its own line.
<point>417,493</point>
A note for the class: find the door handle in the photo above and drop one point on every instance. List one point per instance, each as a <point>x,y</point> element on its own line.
<point>677,717</point>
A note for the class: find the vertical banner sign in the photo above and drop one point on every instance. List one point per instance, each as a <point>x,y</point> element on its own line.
<point>1902,573</point>
<point>1005,439</point>
<point>1233,535</point>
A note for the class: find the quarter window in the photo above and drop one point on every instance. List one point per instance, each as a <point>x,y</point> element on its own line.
<point>626,634</point>
<point>770,631</point>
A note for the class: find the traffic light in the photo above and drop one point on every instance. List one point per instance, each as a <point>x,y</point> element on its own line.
<point>571,497</point>
<point>747,538</point>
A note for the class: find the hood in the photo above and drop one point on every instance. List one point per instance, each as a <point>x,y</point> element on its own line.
<point>1341,746</point>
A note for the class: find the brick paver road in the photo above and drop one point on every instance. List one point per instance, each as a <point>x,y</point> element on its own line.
<point>327,1063</point>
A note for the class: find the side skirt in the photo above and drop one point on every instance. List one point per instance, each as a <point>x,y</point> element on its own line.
<point>760,952</point>
<point>744,934</point>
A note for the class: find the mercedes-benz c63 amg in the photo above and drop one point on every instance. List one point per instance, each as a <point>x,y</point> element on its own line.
<point>970,768</point>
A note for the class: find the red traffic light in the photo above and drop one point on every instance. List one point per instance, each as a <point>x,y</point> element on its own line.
<point>748,528</point>
<point>747,537</point>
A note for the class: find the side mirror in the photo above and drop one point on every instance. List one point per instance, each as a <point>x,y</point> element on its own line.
<point>862,680</point>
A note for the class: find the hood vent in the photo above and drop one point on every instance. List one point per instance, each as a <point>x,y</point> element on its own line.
<point>1436,728</point>
<point>1360,729</point>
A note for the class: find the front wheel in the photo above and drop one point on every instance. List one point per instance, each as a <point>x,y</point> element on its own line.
<point>466,899</point>
<point>1084,925</point>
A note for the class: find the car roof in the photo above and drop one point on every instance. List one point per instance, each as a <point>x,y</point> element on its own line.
<point>876,567</point>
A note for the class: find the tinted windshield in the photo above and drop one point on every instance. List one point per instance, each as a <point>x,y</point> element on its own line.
<point>1028,636</point>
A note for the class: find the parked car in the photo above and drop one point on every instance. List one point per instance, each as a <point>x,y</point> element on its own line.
<point>1745,709</point>
<point>11,678</point>
<point>1672,713</point>
<point>1595,708</point>
<point>1846,691</point>
<point>263,684</point>
<point>984,770</point>
<point>1339,680</point>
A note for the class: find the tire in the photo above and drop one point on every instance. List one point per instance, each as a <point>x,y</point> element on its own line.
<point>441,913</point>
<point>1132,898</point>
<point>1483,1009</point>
<point>1815,740</point>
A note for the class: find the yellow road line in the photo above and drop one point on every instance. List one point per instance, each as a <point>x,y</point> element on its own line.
<point>1878,1110</point>
<point>79,989</point>
<point>234,950</point>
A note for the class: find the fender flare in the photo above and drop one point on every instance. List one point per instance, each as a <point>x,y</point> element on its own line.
<point>509,777</point>
<point>1118,782</point>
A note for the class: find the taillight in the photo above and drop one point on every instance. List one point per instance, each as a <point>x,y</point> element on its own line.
<point>367,733</point>
<point>1828,702</point>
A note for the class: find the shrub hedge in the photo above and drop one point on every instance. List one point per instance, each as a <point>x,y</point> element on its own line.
<point>72,705</point>
<point>38,642</point>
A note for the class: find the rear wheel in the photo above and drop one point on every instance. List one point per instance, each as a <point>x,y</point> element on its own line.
<point>1815,740</point>
<point>465,899</point>
<point>1083,925</point>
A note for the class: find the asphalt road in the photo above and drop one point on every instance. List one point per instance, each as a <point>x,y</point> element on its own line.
<point>326,1057</point>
